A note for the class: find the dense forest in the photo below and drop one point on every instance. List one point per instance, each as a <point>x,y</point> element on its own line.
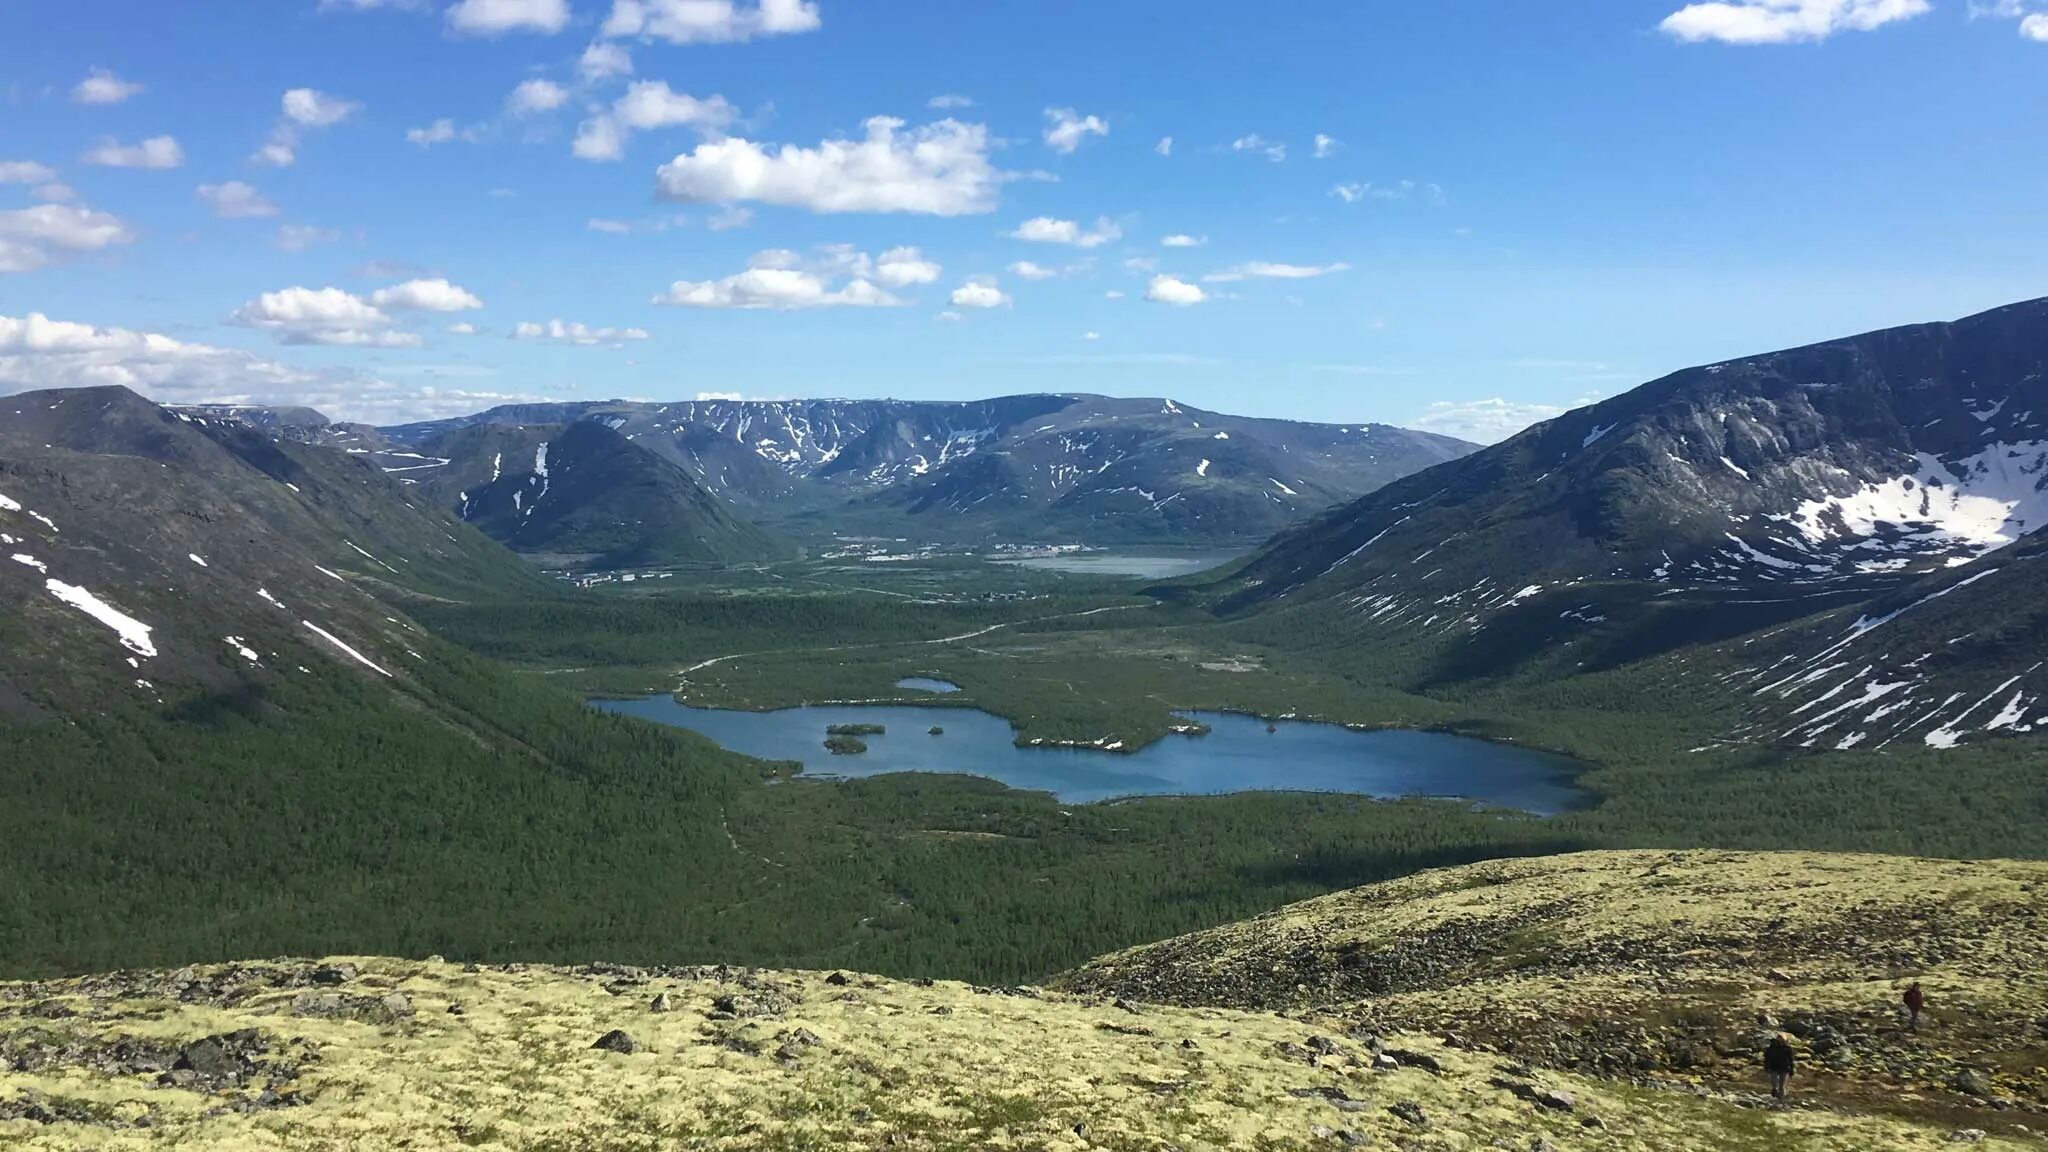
<point>486,814</point>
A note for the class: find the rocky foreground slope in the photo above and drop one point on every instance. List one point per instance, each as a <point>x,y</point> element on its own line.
<point>1469,1008</point>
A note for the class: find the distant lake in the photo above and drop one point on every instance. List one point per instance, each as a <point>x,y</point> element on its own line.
<point>1126,564</point>
<point>1238,755</point>
<point>927,684</point>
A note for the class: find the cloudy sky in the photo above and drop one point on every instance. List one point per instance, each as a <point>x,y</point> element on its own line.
<point>1463,215</point>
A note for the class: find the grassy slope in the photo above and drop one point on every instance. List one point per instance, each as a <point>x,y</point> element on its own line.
<point>752,1059</point>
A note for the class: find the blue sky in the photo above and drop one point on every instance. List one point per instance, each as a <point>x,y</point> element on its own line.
<point>1517,206</point>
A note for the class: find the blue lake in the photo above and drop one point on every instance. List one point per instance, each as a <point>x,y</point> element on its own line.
<point>1237,755</point>
<point>927,684</point>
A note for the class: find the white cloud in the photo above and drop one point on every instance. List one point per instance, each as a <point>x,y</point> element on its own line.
<point>1261,145</point>
<point>315,109</point>
<point>903,267</point>
<point>1091,335</point>
<point>1483,421</point>
<point>726,219</point>
<point>498,17</point>
<point>1404,190</point>
<point>1785,21</point>
<point>1326,146</point>
<point>299,237</point>
<point>56,192</point>
<point>25,172</point>
<point>1266,270</point>
<point>103,87</point>
<point>646,106</point>
<point>435,295</point>
<point>775,288</point>
<point>321,316</point>
<point>1165,146</point>
<point>980,292</point>
<point>941,169</point>
<point>570,332</point>
<point>2035,27</point>
<point>949,317</point>
<point>1183,240</point>
<point>615,227</point>
<point>462,328</point>
<point>302,108</point>
<point>948,103</point>
<point>157,152</point>
<point>439,132</point>
<point>711,21</point>
<point>38,352</point>
<point>1026,270</point>
<point>1180,293</point>
<point>533,96</point>
<point>602,61</point>
<point>1065,130</point>
<point>1047,230</point>
<point>235,200</point>
<point>1112,294</point>
<point>28,234</point>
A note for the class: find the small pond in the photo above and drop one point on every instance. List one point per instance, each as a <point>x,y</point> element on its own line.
<point>1237,755</point>
<point>927,684</point>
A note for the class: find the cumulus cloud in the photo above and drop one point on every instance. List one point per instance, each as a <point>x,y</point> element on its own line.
<point>1064,129</point>
<point>1785,21</point>
<point>25,172</point>
<point>235,200</point>
<point>1047,230</point>
<point>602,61</point>
<point>948,103</point>
<point>711,21</point>
<point>941,169</point>
<point>302,109</point>
<point>778,289</point>
<point>1326,146</point>
<point>904,267</point>
<point>38,352</point>
<point>535,96</point>
<point>571,332</point>
<point>1483,421</point>
<point>462,328</point>
<point>1165,146</point>
<point>1168,290</point>
<point>1026,270</point>
<point>434,295</point>
<point>648,105</point>
<point>1258,144</point>
<point>322,316</point>
<point>439,132</point>
<point>299,237</point>
<point>1183,240</point>
<point>29,235</point>
<point>2035,27</point>
<point>157,152</point>
<point>103,87</point>
<point>980,292</point>
<point>1266,270</point>
<point>498,17</point>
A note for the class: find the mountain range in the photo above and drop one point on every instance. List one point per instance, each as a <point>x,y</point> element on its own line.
<point>1805,516</point>
<point>1030,468</point>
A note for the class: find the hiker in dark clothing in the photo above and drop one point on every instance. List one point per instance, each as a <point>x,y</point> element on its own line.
<point>1915,1000</point>
<point>1778,1064</point>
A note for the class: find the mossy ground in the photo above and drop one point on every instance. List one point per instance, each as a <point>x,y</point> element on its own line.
<point>756,1059</point>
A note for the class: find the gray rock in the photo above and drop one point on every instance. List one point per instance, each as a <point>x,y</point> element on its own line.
<point>616,1041</point>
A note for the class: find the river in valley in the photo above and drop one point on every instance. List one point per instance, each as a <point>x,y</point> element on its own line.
<point>1237,755</point>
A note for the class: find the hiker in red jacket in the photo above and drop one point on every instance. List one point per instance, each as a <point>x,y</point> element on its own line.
<point>1915,1000</point>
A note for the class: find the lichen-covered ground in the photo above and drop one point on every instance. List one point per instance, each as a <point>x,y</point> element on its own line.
<point>375,1053</point>
<point>1669,971</point>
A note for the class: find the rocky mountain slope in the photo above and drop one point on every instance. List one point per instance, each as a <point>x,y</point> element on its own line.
<point>1511,1005</point>
<point>1037,466</point>
<point>142,546</point>
<point>577,493</point>
<point>1791,507</point>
